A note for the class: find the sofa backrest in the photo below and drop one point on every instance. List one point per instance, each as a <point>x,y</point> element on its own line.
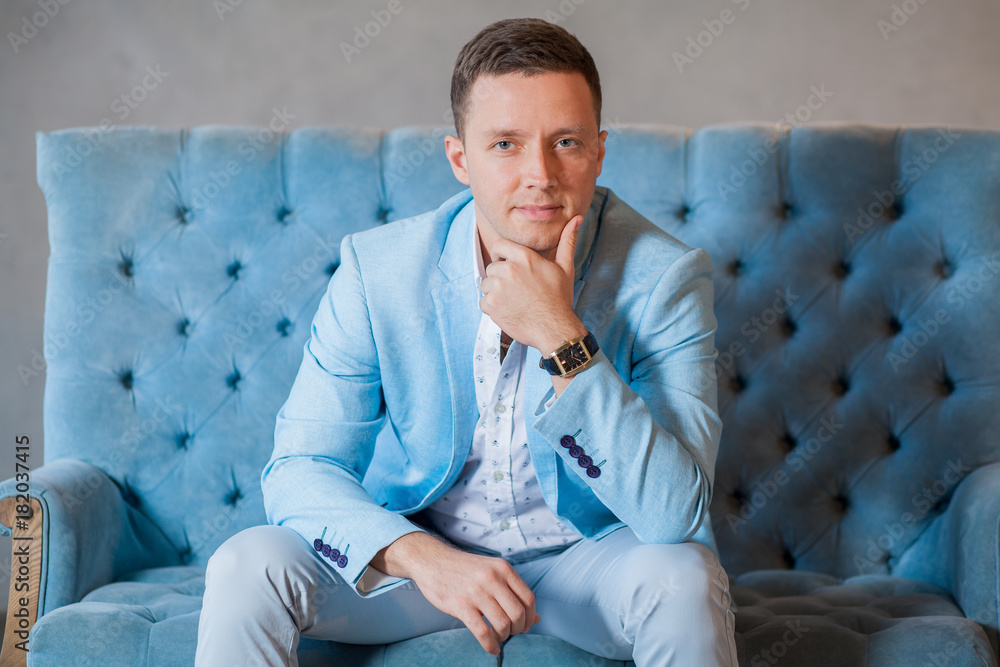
<point>855,289</point>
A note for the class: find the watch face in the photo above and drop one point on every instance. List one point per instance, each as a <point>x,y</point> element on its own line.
<point>573,357</point>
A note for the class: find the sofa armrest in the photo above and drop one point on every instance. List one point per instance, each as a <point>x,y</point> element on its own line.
<point>90,535</point>
<point>961,550</point>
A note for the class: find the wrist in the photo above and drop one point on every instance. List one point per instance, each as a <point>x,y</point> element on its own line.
<point>565,331</point>
<point>404,554</point>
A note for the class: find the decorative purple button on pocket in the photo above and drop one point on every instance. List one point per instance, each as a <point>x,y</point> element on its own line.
<point>575,450</point>
<point>593,471</point>
<point>326,550</point>
<point>342,561</point>
<point>584,461</point>
<point>334,554</point>
<point>317,544</point>
<point>567,441</point>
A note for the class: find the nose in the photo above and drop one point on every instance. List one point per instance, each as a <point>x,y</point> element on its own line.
<point>540,171</point>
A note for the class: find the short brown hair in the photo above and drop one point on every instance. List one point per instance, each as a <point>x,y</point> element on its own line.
<point>527,46</point>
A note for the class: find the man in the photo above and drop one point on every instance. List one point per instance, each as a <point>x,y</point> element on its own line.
<point>542,475</point>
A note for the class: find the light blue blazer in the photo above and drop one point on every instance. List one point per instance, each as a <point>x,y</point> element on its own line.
<point>393,339</point>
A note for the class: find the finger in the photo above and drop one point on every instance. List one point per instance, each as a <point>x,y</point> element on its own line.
<point>526,597</point>
<point>567,244</point>
<point>497,268</point>
<point>515,610</point>
<point>483,633</point>
<point>498,618</point>
<point>509,250</point>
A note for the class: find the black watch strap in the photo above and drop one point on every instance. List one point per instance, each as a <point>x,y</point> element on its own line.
<point>571,357</point>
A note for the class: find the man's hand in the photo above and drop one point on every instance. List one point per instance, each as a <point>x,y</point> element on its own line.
<point>529,297</point>
<point>464,585</point>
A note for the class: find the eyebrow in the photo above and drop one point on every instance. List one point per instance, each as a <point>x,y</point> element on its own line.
<point>505,132</point>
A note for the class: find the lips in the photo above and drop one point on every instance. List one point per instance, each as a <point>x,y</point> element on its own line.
<point>539,211</point>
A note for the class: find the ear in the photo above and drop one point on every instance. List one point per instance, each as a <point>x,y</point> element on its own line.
<point>600,150</point>
<point>455,151</point>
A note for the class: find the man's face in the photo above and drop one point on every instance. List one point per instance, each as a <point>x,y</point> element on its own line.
<point>531,156</point>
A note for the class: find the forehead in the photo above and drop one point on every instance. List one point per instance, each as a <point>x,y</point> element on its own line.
<point>516,100</point>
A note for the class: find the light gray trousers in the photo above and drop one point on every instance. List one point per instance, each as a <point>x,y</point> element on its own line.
<point>657,604</point>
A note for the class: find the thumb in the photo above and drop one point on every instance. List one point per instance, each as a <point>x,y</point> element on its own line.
<point>567,244</point>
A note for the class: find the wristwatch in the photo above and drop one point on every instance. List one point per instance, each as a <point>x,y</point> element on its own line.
<point>571,357</point>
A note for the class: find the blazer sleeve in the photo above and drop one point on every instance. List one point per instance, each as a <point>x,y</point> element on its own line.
<point>656,434</point>
<point>325,433</point>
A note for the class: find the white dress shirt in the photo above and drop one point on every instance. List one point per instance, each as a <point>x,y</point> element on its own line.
<point>496,506</point>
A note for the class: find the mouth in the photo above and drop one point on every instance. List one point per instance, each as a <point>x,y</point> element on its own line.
<point>539,212</point>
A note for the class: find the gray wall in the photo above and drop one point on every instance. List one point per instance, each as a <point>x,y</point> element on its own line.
<point>939,66</point>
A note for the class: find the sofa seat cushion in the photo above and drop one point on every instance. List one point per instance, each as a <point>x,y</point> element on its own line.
<point>805,618</point>
<point>787,616</point>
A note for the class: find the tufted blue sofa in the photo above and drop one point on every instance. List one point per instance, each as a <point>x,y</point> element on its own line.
<point>856,505</point>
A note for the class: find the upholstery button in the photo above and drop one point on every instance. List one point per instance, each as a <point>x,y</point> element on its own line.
<point>500,408</point>
<point>505,524</point>
<point>326,550</point>
<point>317,544</point>
<point>584,461</point>
<point>593,471</point>
<point>575,451</point>
<point>841,269</point>
<point>342,561</point>
<point>498,475</point>
<point>567,441</point>
<point>788,326</point>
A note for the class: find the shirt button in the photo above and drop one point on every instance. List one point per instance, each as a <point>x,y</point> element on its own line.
<point>498,475</point>
<point>491,350</point>
<point>505,524</point>
<point>500,408</point>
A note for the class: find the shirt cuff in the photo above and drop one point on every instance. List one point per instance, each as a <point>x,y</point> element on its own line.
<point>373,580</point>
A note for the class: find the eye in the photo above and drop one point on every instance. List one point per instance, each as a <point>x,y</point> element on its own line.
<point>502,141</point>
<point>572,140</point>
